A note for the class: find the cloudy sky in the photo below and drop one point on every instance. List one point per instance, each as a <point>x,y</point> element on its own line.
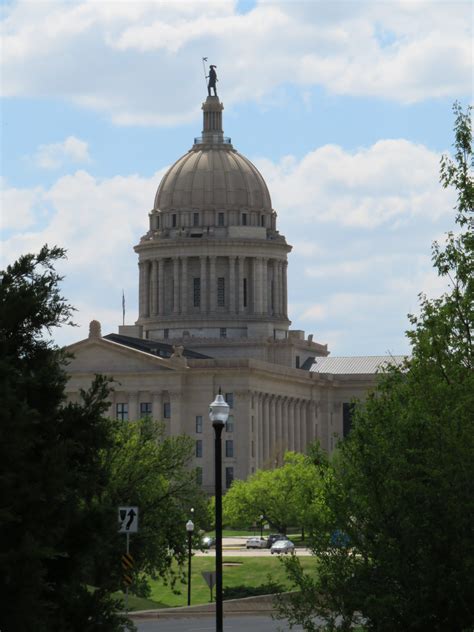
<point>345,107</point>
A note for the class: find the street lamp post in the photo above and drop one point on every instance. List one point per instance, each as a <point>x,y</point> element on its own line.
<point>261,527</point>
<point>218,414</point>
<point>189,529</point>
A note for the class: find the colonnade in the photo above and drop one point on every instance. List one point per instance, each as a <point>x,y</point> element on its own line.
<point>280,423</point>
<point>256,285</point>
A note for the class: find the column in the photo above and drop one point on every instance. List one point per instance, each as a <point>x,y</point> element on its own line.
<point>291,424</point>
<point>272,428</point>
<point>232,288</point>
<point>278,430</point>
<point>298,426</point>
<point>285,422</point>
<point>278,288</point>
<point>161,287</point>
<point>141,288</point>
<point>184,285</point>
<point>304,428</point>
<point>146,287</point>
<point>154,287</point>
<point>241,284</point>
<point>266,429</point>
<point>212,285</point>
<point>254,285</point>
<point>264,280</point>
<point>157,406</point>
<point>176,421</point>
<point>203,307</point>
<point>285,289</point>
<point>260,430</point>
<point>175,285</point>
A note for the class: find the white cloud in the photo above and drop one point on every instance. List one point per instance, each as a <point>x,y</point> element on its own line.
<point>387,183</point>
<point>54,155</point>
<point>140,62</point>
<point>18,206</point>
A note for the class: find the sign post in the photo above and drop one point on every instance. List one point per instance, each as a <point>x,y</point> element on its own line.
<point>128,523</point>
<point>210,577</point>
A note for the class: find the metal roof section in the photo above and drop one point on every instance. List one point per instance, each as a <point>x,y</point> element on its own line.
<point>361,365</point>
<point>153,347</point>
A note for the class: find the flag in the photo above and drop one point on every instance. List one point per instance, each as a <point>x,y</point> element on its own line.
<point>123,307</point>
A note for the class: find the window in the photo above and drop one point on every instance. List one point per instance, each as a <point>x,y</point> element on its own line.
<point>197,292</point>
<point>198,448</point>
<point>122,411</point>
<point>223,332</point>
<point>229,448</point>
<point>220,219</point>
<point>229,425</point>
<point>245,292</point>
<point>157,222</point>
<point>173,220</point>
<point>244,219</point>
<point>198,424</point>
<point>166,334</point>
<point>167,410</point>
<point>253,449</point>
<point>199,475</point>
<point>220,291</point>
<point>229,398</point>
<point>195,219</point>
<point>229,476</point>
<point>297,362</point>
<point>145,409</point>
<point>253,423</point>
<point>262,220</point>
<point>347,416</point>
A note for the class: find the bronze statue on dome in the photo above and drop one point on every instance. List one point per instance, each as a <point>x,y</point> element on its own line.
<point>212,80</point>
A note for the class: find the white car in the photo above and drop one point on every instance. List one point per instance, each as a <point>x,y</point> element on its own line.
<point>256,543</point>
<point>282,546</point>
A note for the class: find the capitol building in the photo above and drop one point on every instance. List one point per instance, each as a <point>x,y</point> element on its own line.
<point>213,314</point>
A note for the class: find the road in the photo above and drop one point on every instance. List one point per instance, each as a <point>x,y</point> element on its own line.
<point>235,547</point>
<point>231,624</point>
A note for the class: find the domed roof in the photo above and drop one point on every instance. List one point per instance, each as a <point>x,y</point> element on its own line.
<point>213,176</point>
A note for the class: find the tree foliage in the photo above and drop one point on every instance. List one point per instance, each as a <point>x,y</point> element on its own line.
<point>281,496</point>
<point>395,545</point>
<point>64,470</point>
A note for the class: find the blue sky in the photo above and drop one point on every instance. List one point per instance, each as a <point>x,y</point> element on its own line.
<point>345,107</point>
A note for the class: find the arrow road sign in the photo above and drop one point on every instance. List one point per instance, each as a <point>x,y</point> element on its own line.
<point>128,519</point>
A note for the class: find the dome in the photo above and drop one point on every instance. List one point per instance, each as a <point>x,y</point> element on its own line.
<point>213,176</point>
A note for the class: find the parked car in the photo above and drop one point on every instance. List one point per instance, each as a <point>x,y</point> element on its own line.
<point>274,537</point>
<point>208,541</point>
<point>282,546</point>
<point>256,543</point>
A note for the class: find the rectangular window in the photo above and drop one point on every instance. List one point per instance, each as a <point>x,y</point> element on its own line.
<point>229,424</point>
<point>253,423</point>
<point>253,449</point>
<point>223,332</point>
<point>229,447</point>
<point>229,476</point>
<point>347,416</point>
<point>198,448</point>
<point>167,410</point>
<point>198,424</point>
<point>145,409</point>
<point>245,292</point>
<point>244,219</point>
<point>297,362</point>
<point>197,292</point>
<point>229,398</point>
<point>220,219</point>
<point>157,222</point>
<point>221,291</point>
<point>199,475</point>
<point>195,219</point>
<point>173,220</point>
<point>262,220</point>
<point>166,334</point>
<point>122,411</point>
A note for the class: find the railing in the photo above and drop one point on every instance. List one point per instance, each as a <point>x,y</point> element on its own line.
<point>214,139</point>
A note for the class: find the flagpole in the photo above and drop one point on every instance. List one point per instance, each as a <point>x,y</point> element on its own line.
<point>204,69</point>
<point>123,308</point>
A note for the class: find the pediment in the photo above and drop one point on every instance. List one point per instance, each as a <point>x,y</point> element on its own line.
<point>104,356</point>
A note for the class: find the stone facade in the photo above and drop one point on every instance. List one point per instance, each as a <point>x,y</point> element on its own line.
<point>213,313</point>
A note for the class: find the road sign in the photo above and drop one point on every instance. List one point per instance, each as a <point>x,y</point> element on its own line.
<point>210,577</point>
<point>127,565</point>
<point>128,519</point>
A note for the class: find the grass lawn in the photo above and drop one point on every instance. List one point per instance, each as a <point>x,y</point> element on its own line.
<point>248,571</point>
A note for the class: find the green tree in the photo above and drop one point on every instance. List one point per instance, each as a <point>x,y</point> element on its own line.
<point>281,495</point>
<point>395,545</point>
<point>51,470</point>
